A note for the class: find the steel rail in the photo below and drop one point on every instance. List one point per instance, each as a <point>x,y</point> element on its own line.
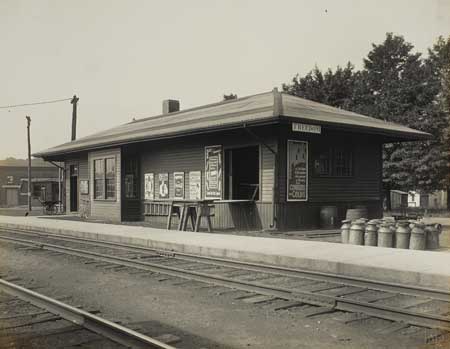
<point>411,290</point>
<point>108,329</point>
<point>327,301</point>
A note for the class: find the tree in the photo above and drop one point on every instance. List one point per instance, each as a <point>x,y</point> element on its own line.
<point>439,64</point>
<point>229,97</point>
<point>397,85</point>
<point>332,88</point>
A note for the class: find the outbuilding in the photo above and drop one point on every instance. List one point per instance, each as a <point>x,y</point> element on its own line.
<point>269,160</point>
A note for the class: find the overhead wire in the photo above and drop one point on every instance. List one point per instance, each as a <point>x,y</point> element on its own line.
<point>34,103</point>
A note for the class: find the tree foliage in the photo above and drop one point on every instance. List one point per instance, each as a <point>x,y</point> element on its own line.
<point>397,85</point>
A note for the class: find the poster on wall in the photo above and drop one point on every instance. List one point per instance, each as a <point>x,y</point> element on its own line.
<point>149,185</point>
<point>297,171</point>
<point>195,185</point>
<point>213,172</point>
<point>84,187</point>
<point>163,184</point>
<point>178,185</point>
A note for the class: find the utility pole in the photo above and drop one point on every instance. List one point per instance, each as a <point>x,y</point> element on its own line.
<point>74,102</point>
<point>29,162</point>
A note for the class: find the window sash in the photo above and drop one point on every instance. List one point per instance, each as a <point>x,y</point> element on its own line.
<point>105,178</point>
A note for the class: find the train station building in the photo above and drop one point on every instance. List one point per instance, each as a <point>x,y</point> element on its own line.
<point>269,160</point>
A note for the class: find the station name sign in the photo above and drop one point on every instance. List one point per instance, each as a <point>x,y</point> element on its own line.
<point>298,127</point>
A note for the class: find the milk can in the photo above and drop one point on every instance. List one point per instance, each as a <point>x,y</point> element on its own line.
<point>402,235</point>
<point>432,237</point>
<point>356,236</point>
<point>345,230</point>
<point>385,236</point>
<point>371,234</point>
<point>418,239</point>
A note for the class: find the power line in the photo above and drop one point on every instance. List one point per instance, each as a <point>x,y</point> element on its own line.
<point>35,103</point>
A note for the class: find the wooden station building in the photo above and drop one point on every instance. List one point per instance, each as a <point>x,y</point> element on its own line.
<point>270,160</point>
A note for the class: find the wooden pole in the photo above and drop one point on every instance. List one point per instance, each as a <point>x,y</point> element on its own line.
<point>29,162</point>
<point>74,102</point>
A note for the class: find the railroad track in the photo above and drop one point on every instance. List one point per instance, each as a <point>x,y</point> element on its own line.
<point>35,320</point>
<point>327,293</point>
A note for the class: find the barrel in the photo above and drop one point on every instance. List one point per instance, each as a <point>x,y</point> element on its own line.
<point>328,217</point>
<point>356,213</point>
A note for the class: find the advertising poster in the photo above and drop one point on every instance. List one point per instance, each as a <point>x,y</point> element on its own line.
<point>213,172</point>
<point>178,185</point>
<point>195,185</point>
<point>84,187</point>
<point>149,185</point>
<point>297,171</point>
<point>163,185</point>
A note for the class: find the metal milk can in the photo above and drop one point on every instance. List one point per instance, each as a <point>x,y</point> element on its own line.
<point>432,237</point>
<point>371,234</point>
<point>356,236</point>
<point>385,236</point>
<point>345,231</point>
<point>418,238</point>
<point>402,235</point>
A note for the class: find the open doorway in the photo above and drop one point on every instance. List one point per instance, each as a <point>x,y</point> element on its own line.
<point>242,173</point>
<point>73,188</point>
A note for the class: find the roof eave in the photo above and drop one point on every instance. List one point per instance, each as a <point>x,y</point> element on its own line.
<point>55,154</point>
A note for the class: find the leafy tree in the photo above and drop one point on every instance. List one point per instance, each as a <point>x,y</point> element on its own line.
<point>332,88</point>
<point>439,64</point>
<point>230,96</point>
<point>397,85</point>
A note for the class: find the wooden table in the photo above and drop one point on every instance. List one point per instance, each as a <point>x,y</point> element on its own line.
<point>187,210</point>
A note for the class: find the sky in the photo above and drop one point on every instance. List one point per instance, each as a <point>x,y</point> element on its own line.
<point>123,58</point>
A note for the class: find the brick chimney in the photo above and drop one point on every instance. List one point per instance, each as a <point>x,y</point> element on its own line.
<point>170,106</point>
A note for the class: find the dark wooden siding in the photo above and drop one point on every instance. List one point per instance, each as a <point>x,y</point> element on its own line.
<point>363,188</point>
<point>188,155</point>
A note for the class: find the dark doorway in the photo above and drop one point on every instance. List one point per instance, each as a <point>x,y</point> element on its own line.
<point>242,173</point>
<point>73,188</point>
<point>131,202</point>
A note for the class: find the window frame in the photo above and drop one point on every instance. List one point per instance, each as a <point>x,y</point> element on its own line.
<point>104,177</point>
<point>331,151</point>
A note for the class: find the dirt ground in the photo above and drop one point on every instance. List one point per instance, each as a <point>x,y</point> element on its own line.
<point>204,317</point>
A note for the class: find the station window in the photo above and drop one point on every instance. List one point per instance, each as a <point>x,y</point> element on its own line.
<point>105,178</point>
<point>335,162</point>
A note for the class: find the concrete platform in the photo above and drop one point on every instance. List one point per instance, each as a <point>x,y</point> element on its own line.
<point>421,268</point>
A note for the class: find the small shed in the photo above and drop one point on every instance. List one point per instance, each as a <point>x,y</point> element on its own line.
<point>269,160</point>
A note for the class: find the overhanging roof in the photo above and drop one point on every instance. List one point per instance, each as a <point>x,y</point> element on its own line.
<point>269,107</point>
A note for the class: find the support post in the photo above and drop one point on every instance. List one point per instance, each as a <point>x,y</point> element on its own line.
<point>29,162</point>
<point>74,102</point>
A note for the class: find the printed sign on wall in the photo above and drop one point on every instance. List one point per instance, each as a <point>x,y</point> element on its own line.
<point>178,185</point>
<point>149,185</point>
<point>213,172</point>
<point>84,186</point>
<point>297,171</point>
<point>163,184</point>
<point>195,185</point>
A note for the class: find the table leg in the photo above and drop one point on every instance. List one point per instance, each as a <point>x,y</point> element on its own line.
<point>182,217</point>
<point>193,217</point>
<point>169,217</point>
<point>197,221</point>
